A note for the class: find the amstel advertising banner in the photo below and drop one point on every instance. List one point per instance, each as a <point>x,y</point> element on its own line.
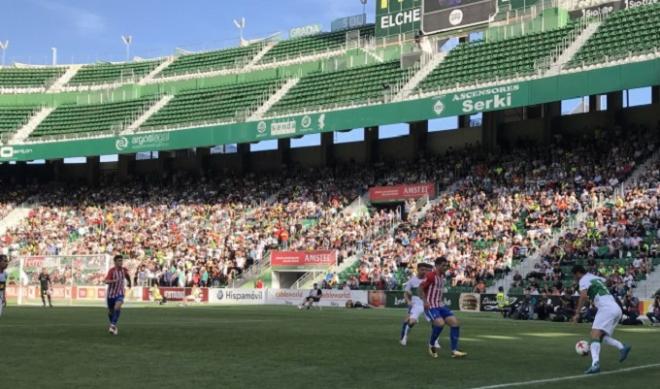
<point>301,260</point>
<point>385,194</point>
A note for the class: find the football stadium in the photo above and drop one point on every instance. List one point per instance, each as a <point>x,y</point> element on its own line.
<point>397,194</point>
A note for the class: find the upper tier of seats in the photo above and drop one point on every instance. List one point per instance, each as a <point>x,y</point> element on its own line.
<point>310,45</point>
<point>29,77</point>
<point>212,104</point>
<point>13,118</point>
<point>615,38</point>
<point>109,73</point>
<point>94,118</point>
<point>481,61</point>
<point>211,60</point>
<point>359,85</point>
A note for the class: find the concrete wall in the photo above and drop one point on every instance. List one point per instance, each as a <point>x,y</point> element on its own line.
<point>307,156</point>
<point>647,115</point>
<point>401,148</point>
<point>527,130</point>
<point>441,141</point>
<point>265,161</point>
<point>347,152</point>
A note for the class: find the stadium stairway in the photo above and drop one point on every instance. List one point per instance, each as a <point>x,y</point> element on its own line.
<point>570,51</point>
<point>255,60</point>
<point>152,75</point>
<point>272,100</point>
<point>431,63</point>
<point>15,217</point>
<point>527,266</point>
<point>25,131</point>
<point>647,288</point>
<point>372,54</point>
<point>308,280</point>
<point>64,79</point>
<point>147,114</point>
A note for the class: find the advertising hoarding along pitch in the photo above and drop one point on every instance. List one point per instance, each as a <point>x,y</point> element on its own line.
<point>330,298</point>
<point>237,296</point>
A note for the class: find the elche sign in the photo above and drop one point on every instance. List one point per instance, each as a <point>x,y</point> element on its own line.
<point>299,32</point>
<point>401,192</point>
<point>400,18</point>
<point>303,259</point>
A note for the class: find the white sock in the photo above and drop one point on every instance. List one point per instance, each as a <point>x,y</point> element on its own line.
<point>613,342</point>
<point>595,352</point>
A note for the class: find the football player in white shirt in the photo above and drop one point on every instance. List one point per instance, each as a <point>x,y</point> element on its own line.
<point>415,304</point>
<point>608,316</point>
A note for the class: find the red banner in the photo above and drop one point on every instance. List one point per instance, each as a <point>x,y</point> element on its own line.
<point>382,194</point>
<point>303,259</point>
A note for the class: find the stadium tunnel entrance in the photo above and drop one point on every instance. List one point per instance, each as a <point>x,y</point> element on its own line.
<point>287,279</point>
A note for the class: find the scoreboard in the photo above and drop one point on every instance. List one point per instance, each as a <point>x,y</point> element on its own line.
<point>445,15</point>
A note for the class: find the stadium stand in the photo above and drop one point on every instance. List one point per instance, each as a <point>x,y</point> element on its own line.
<point>480,61</point>
<point>211,60</point>
<point>618,241</point>
<point>212,104</point>
<point>13,77</point>
<point>13,118</point>
<point>351,86</point>
<point>90,119</point>
<point>503,209</point>
<point>614,39</point>
<point>109,73</point>
<point>309,45</point>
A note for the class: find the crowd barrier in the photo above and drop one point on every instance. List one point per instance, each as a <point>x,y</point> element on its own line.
<point>465,302</point>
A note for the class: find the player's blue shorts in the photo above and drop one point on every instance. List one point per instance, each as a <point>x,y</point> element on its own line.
<point>113,300</point>
<point>440,312</point>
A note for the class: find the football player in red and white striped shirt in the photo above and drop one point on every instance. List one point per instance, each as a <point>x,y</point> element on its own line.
<point>431,291</point>
<point>116,278</point>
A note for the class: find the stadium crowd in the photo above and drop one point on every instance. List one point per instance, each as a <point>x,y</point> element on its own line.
<point>496,210</point>
<point>504,206</point>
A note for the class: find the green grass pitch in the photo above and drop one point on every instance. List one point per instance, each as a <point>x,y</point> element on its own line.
<point>282,347</point>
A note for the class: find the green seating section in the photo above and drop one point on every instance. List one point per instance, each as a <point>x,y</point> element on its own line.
<point>486,61</point>
<point>635,30</point>
<point>297,47</point>
<point>212,60</point>
<point>341,88</point>
<point>109,73</point>
<point>13,118</point>
<point>212,104</point>
<point>75,119</point>
<point>29,77</point>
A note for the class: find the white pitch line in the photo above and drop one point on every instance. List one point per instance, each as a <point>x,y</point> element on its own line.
<point>567,378</point>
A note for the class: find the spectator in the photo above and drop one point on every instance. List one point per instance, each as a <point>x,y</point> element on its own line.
<point>654,314</point>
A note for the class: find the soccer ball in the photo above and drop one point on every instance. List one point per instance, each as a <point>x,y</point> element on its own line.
<point>582,348</point>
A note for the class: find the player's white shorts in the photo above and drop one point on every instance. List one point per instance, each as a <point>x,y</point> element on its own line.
<point>607,319</point>
<point>415,311</point>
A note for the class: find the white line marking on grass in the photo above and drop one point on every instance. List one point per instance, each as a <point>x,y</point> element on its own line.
<point>498,337</point>
<point>567,378</point>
